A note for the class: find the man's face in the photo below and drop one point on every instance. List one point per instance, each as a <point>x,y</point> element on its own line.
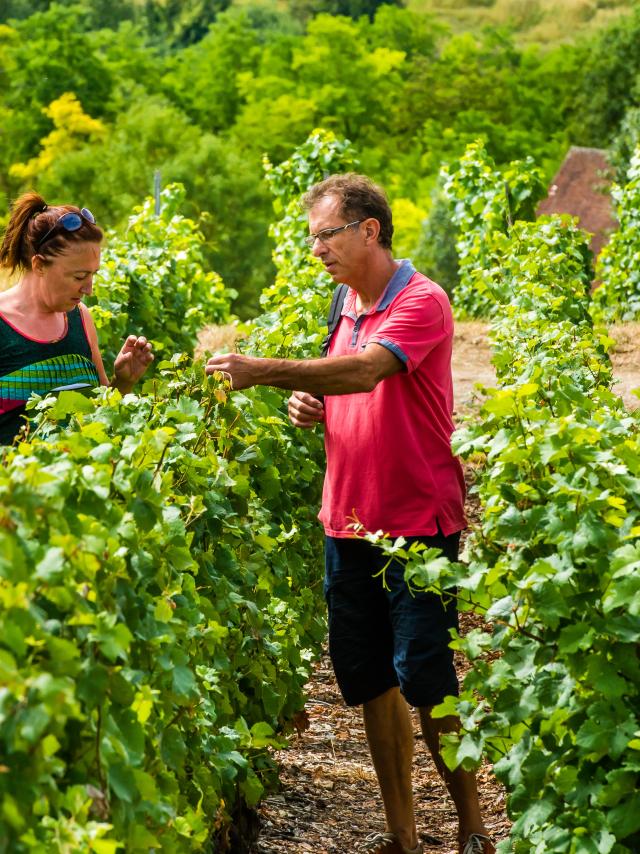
<point>342,252</point>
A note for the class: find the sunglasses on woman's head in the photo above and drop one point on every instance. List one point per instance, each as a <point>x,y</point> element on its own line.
<point>70,221</point>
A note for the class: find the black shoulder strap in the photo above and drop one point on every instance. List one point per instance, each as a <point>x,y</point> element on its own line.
<point>333,317</point>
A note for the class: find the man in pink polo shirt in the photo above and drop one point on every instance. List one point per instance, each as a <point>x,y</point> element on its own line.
<point>387,404</point>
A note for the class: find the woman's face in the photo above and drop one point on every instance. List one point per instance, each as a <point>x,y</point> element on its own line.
<point>67,278</point>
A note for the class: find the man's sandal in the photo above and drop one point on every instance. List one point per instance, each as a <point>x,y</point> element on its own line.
<point>388,843</point>
<point>478,843</point>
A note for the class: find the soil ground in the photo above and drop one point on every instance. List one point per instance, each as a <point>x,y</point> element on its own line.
<point>472,363</point>
<point>329,800</point>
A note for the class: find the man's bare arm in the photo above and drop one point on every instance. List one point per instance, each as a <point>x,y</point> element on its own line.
<point>338,375</point>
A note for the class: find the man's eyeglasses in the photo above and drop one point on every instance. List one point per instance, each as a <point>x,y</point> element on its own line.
<point>327,233</point>
<point>70,221</point>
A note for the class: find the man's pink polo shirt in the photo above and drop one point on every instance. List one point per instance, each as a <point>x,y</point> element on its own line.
<point>389,460</point>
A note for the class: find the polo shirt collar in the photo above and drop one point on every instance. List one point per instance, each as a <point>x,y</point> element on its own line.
<point>396,283</point>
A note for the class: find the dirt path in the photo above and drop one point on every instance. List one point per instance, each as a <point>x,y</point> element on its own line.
<point>626,362</point>
<point>472,363</point>
<point>329,800</point>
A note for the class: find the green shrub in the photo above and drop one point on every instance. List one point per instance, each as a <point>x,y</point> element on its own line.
<point>554,563</point>
<point>436,255</point>
<point>484,201</point>
<point>156,629</point>
<point>152,282</point>
<point>294,308</point>
<point>160,581</point>
<point>618,297</point>
<point>553,696</point>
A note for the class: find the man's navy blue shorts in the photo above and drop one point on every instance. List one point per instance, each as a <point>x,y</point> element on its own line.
<point>379,638</point>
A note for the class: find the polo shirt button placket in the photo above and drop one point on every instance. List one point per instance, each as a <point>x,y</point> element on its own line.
<point>356,330</point>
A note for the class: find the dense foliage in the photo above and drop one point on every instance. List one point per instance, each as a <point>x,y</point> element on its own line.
<point>97,97</point>
<point>485,202</point>
<point>159,578</point>
<point>157,583</point>
<point>618,297</point>
<point>152,281</point>
<point>159,586</point>
<point>609,86</point>
<point>295,307</point>
<point>553,695</point>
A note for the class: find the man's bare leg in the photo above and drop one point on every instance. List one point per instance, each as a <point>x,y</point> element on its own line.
<point>390,735</point>
<point>461,784</point>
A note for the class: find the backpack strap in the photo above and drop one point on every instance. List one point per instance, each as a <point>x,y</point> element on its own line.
<point>333,318</point>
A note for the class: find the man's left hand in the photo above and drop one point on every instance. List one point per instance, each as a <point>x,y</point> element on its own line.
<point>235,367</point>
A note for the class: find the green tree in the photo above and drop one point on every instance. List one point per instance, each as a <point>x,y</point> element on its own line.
<point>41,58</point>
<point>114,174</point>
<point>131,62</point>
<point>71,128</point>
<point>203,78</point>
<point>98,13</point>
<point>351,84</point>
<point>273,124</point>
<point>256,81</point>
<point>181,22</point>
<point>609,83</point>
<point>416,34</point>
<point>17,9</point>
<point>436,254</point>
<point>350,8</point>
<point>484,87</point>
<point>172,22</point>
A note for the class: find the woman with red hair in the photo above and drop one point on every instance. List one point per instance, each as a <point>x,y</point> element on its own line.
<point>48,341</point>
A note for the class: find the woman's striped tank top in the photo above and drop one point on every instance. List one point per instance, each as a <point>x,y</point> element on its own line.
<point>29,366</point>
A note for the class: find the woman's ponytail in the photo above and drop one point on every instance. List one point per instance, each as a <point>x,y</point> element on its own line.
<point>17,248</point>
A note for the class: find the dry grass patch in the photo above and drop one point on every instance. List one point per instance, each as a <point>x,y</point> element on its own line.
<point>543,21</point>
<point>627,338</point>
<point>213,339</point>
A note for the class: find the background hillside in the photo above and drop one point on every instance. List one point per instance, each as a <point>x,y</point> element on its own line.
<point>543,21</point>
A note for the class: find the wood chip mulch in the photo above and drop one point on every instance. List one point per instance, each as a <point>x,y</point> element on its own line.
<point>329,800</point>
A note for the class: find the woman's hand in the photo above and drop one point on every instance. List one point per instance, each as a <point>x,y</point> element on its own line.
<point>305,410</point>
<point>131,362</point>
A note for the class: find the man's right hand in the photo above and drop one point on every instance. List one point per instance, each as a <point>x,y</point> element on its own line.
<point>305,410</point>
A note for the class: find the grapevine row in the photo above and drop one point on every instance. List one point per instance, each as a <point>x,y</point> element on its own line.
<point>553,695</point>
<point>160,566</point>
